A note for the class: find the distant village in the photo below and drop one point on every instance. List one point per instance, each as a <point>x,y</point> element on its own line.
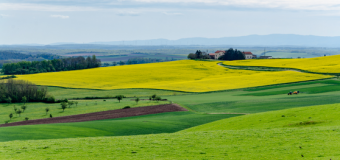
<point>230,54</point>
<point>247,55</point>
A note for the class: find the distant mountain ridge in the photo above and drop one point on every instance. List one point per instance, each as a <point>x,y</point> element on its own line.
<point>251,40</point>
<point>285,40</point>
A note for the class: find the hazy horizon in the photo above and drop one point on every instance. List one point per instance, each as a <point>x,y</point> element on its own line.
<point>55,21</point>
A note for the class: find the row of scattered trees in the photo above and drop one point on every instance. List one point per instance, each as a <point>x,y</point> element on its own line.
<point>23,91</point>
<point>64,64</point>
<point>198,55</point>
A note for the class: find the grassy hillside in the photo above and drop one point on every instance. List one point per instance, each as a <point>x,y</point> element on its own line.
<point>326,64</point>
<point>314,116</point>
<point>185,75</point>
<point>147,124</point>
<point>37,110</point>
<point>258,136</point>
<point>262,99</point>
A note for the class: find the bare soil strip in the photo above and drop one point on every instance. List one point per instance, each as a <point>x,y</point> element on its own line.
<point>102,115</point>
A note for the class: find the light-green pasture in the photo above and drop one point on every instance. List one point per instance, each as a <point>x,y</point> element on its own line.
<point>137,125</point>
<point>258,136</point>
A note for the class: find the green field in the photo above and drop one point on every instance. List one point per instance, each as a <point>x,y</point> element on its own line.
<point>258,136</point>
<point>71,93</point>
<point>262,99</point>
<point>276,125</point>
<point>146,124</point>
<point>37,110</point>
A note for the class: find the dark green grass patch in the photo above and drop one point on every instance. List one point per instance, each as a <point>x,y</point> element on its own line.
<point>263,105</point>
<point>309,90</point>
<point>61,93</point>
<point>329,81</point>
<point>147,124</point>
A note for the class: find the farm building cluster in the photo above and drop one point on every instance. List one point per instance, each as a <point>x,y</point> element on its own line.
<point>247,55</point>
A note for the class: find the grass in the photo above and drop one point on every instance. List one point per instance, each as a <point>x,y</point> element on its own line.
<point>61,93</point>
<point>146,124</point>
<point>262,99</point>
<point>257,136</point>
<point>184,75</point>
<point>37,110</point>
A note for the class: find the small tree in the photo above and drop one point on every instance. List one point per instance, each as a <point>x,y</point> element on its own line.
<point>70,103</point>
<point>15,109</point>
<point>76,103</point>
<point>19,112</point>
<point>26,118</point>
<point>47,109</point>
<point>119,97</point>
<point>23,108</point>
<point>24,100</point>
<point>50,115</point>
<point>137,100</point>
<point>154,96</point>
<point>11,116</point>
<point>63,105</point>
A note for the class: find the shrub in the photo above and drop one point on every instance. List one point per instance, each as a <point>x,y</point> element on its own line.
<point>26,118</point>
<point>50,99</point>
<point>126,107</point>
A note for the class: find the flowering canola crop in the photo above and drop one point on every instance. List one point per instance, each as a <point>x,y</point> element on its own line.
<point>184,75</point>
<point>328,64</point>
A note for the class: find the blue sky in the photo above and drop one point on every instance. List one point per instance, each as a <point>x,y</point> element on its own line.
<point>83,21</point>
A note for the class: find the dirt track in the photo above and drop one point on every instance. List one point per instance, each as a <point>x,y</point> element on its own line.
<point>102,115</point>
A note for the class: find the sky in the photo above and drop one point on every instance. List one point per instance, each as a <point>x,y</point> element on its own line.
<point>84,21</point>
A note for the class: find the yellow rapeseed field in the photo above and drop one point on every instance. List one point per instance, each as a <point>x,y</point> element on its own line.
<point>328,64</point>
<point>184,75</point>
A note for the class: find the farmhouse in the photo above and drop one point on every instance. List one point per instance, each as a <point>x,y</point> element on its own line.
<point>219,53</point>
<point>248,55</point>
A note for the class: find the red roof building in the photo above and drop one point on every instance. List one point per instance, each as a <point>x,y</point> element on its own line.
<point>248,55</point>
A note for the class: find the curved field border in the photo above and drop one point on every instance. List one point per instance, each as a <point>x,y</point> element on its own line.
<point>264,68</point>
<point>103,115</point>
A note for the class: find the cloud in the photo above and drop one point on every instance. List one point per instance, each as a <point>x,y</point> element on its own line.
<point>272,4</point>
<point>101,5</point>
<point>60,16</point>
<point>128,14</point>
<point>172,13</point>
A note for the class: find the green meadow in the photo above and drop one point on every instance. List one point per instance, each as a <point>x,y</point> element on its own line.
<point>147,124</point>
<point>252,123</point>
<point>281,134</point>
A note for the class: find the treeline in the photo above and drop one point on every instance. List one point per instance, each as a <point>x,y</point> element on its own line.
<point>12,55</point>
<point>12,91</point>
<point>198,55</point>
<point>232,54</point>
<point>64,64</point>
<point>138,61</point>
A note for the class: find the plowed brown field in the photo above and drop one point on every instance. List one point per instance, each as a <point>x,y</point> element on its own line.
<point>103,115</point>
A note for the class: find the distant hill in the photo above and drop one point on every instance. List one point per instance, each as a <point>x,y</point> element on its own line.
<point>251,40</point>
